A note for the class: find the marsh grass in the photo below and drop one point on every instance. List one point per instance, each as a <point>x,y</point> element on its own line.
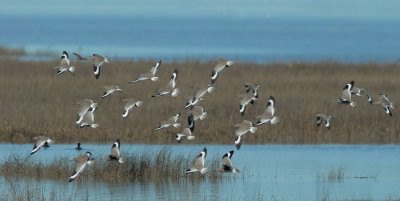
<point>155,166</point>
<point>336,175</point>
<point>35,101</point>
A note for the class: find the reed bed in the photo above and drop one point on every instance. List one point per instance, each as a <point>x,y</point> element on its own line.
<point>35,101</point>
<point>155,166</point>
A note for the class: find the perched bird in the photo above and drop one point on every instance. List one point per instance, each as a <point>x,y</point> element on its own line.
<point>242,129</point>
<point>227,163</point>
<point>40,141</point>
<point>172,121</point>
<point>201,91</point>
<point>170,87</point>
<point>111,89</point>
<point>346,95</point>
<point>84,106</point>
<point>198,163</point>
<point>187,132</point>
<point>65,65</point>
<point>79,57</point>
<point>129,104</point>
<point>253,87</point>
<point>384,103</point>
<point>88,119</point>
<point>98,61</point>
<point>80,165</point>
<point>269,113</point>
<point>245,99</point>
<point>220,64</point>
<point>78,147</point>
<point>151,75</point>
<point>321,118</point>
<point>198,113</point>
<point>115,153</point>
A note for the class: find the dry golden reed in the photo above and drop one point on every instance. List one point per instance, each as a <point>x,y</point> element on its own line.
<point>155,166</point>
<point>35,101</point>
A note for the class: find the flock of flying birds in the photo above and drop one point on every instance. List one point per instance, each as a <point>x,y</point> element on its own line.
<point>87,108</point>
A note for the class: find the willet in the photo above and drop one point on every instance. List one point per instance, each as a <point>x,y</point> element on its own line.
<point>227,163</point>
<point>40,141</point>
<point>115,153</point>
<point>80,165</point>
<point>98,61</point>
<point>198,163</point>
<point>269,112</point>
<point>129,104</point>
<point>242,129</point>
<point>170,87</point>
<point>172,121</point>
<point>323,117</point>
<point>111,89</point>
<point>151,75</point>
<point>220,64</point>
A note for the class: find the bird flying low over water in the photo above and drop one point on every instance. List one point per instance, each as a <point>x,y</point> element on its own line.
<point>111,89</point>
<point>130,103</point>
<point>65,65</point>
<point>253,87</point>
<point>242,129</point>
<point>385,103</point>
<point>151,75</point>
<point>170,87</point>
<point>220,64</point>
<point>187,132</point>
<point>346,95</point>
<point>81,162</point>
<point>84,106</point>
<point>323,117</point>
<point>98,61</point>
<point>198,163</point>
<point>172,121</point>
<point>40,141</point>
<point>269,113</point>
<point>115,153</point>
<point>227,163</point>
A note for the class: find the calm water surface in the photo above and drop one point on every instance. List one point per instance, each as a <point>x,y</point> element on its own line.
<point>270,172</point>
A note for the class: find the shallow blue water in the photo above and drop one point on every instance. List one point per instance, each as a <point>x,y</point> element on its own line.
<point>288,172</point>
<point>169,38</point>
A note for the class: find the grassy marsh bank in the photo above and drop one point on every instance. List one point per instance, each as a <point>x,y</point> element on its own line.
<point>35,101</point>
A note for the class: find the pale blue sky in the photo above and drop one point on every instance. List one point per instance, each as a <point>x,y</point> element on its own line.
<point>322,9</point>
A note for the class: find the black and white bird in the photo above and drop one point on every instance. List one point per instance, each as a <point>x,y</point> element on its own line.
<point>172,121</point>
<point>84,106</point>
<point>346,95</point>
<point>220,64</point>
<point>170,87</point>
<point>98,61</point>
<point>40,141</point>
<point>81,162</point>
<point>227,163</point>
<point>198,96</point>
<point>269,113</point>
<point>253,87</point>
<point>151,75</point>
<point>111,89</point>
<point>385,103</point>
<point>187,132</point>
<point>65,65</point>
<point>198,163</point>
<point>245,99</point>
<point>324,118</point>
<point>242,129</point>
<point>88,119</point>
<point>198,113</point>
<point>130,103</point>
<point>359,91</point>
<point>115,153</point>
